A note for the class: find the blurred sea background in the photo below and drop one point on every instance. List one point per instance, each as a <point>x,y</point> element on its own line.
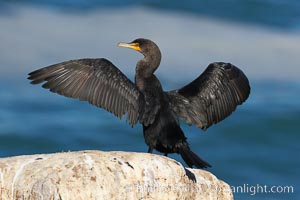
<point>257,144</point>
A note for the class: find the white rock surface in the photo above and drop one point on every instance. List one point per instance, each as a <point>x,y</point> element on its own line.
<point>105,175</point>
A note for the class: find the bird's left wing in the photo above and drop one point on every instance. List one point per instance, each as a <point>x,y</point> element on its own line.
<point>212,96</point>
<point>97,81</point>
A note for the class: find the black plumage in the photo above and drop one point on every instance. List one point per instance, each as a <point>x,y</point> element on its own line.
<point>207,100</point>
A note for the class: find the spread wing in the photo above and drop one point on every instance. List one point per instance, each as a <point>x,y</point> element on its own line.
<point>212,96</point>
<point>97,81</point>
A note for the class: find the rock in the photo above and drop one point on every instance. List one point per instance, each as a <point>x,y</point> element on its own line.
<point>105,175</point>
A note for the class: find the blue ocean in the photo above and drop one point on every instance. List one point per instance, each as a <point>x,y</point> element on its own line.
<point>258,145</point>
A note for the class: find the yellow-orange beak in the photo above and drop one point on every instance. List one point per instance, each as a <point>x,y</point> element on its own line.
<point>134,46</point>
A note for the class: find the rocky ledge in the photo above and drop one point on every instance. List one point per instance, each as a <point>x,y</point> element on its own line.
<point>105,175</point>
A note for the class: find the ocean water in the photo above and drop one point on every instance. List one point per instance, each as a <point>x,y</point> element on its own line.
<point>272,13</point>
<point>257,145</point>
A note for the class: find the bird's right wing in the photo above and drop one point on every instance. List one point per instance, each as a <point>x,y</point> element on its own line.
<point>97,81</point>
<point>212,96</point>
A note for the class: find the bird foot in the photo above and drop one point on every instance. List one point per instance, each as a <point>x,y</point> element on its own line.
<point>150,150</point>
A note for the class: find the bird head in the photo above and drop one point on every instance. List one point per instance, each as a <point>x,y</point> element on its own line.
<point>151,52</point>
<point>144,46</point>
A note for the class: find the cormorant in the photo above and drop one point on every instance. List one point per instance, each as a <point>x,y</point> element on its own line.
<point>208,99</point>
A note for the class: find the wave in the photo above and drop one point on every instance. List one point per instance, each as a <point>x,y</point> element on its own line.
<point>33,37</point>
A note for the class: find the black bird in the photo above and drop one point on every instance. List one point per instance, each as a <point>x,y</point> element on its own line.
<point>207,100</point>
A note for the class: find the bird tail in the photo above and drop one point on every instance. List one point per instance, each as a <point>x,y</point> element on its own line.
<point>192,159</point>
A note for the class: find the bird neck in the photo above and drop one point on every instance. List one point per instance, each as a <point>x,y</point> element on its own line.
<point>147,66</point>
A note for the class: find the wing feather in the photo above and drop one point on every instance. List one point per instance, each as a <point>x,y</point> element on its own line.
<point>212,96</point>
<point>97,81</point>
